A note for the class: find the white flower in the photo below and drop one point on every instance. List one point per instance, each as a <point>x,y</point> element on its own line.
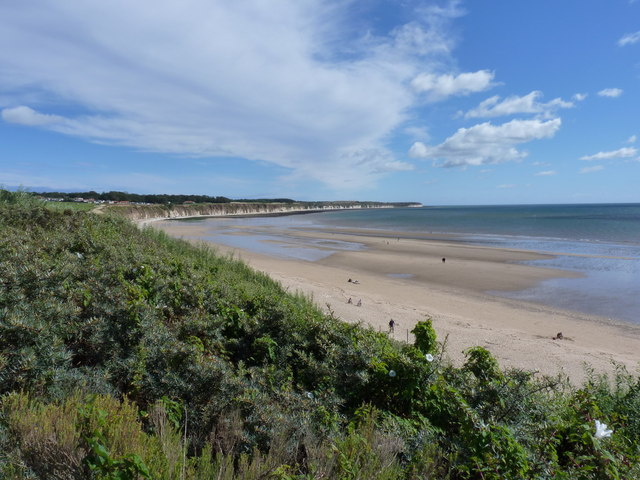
<point>392,373</point>
<point>601,430</point>
<point>429,357</point>
<point>309,395</point>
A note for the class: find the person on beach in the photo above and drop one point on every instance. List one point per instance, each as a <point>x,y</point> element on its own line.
<point>444,259</point>
<point>350,301</point>
<point>392,325</point>
<point>359,303</point>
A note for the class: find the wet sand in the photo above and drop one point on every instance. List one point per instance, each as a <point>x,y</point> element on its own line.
<point>407,281</point>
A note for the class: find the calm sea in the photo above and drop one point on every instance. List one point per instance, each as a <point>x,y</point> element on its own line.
<point>602,242</point>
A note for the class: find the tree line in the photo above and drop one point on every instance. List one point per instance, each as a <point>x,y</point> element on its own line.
<point>116,196</point>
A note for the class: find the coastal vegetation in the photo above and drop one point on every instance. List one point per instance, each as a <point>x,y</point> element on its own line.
<point>166,199</point>
<point>125,354</point>
<point>140,207</point>
<point>85,207</point>
<point>115,196</point>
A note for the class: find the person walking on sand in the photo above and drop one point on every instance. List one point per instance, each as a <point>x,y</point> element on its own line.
<point>359,303</point>
<point>392,325</point>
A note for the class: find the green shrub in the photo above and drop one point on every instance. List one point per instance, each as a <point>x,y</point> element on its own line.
<point>426,337</point>
<point>482,364</point>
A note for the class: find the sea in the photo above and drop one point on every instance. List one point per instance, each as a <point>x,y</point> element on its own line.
<point>599,242</point>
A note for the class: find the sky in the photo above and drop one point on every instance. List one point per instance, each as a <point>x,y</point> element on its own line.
<point>439,102</point>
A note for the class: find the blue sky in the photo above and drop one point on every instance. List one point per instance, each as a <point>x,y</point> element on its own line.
<point>442,102</point>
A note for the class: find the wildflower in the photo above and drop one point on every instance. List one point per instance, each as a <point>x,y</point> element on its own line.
<point>392,373</point>
<point>602,431</point>
<point>429,357</point>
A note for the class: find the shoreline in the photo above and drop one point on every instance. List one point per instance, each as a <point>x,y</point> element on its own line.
<point>148,221</point>
<point>406,279</point>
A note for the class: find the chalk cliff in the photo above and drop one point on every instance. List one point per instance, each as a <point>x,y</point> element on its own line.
<point>147,213</point>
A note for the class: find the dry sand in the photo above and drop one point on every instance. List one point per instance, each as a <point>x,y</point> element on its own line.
<point>406,280</point>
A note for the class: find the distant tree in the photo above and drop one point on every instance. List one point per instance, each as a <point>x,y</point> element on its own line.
<point>116,196</point>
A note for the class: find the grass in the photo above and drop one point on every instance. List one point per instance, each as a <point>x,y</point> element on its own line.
<point>76,206</point>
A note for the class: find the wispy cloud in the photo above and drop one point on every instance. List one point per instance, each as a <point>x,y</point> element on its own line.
<point>546,173</point>
<point>632,139</point>
<point>579,97</point>
<point>625,152</point>
<point>629,39</point>
<point>417,132</point>
<point>439,87</point>
<point>486,143</point>
<point>610,92</point>
<point>27,116</point>
<point>494,106</point>
<point>595,168</point>
<point>263,81</point>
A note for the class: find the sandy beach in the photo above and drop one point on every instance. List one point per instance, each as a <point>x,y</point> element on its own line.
<point>406,280</point>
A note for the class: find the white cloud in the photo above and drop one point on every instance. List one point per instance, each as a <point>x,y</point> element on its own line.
<point>427,35</point>
<point>486,143</point>
<point>27,116</point>
<point>610,92</point>
<point>625,152</point>
<point>284,82</point>
<point>632,139</point>
<point>595,168</point>
<point>349,170</point>
<point>546,173</point>
<point>442,86</point>
<point>579,97</point>
<point>629,39</point>
<point>507,185</point>
<point>495,107</point>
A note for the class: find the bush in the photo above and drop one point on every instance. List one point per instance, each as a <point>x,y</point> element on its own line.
<point>482,364</point>
<point>426,338</point>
